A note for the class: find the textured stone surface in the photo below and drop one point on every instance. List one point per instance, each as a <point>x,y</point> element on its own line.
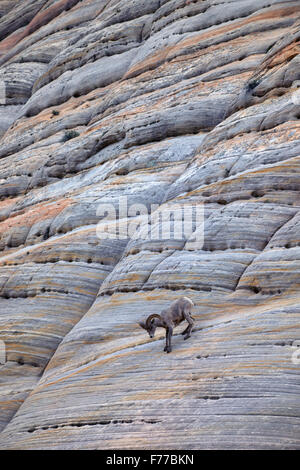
<point>175,102</point>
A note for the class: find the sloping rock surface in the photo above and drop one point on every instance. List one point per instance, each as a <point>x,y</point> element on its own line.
<point>171,102</point>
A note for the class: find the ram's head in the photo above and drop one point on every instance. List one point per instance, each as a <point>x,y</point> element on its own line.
<point>150,325</point>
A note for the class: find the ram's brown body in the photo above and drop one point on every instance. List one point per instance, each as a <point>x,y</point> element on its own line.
<point>169,318</point>
<point>177,311</point>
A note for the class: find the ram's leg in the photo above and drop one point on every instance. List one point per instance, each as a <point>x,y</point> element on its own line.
<point>190,326</point>
<point>185,331</point>
<point>167,340</point>
<point>169,333</point>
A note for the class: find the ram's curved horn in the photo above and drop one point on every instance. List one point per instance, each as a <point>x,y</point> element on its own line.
<point>154,315</point>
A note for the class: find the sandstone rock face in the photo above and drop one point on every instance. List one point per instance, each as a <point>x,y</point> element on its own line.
<point>174,103</point>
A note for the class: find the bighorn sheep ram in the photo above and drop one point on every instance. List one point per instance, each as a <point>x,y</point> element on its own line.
<point>178,311</point>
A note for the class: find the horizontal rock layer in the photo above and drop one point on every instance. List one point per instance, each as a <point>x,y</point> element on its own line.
<point>149,105</point>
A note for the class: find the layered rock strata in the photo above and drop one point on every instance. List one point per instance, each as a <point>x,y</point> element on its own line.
<point>171,103</point>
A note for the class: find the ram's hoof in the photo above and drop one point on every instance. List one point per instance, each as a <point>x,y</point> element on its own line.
<point>187,336</point>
